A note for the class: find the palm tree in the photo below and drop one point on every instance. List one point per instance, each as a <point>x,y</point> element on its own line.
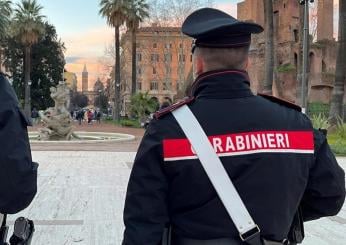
<point>139,9</point>
<point>5,14</point>
<point>28,27</point>
<point>115,12</point>
<point>269,46</point>
<point>336,107</point>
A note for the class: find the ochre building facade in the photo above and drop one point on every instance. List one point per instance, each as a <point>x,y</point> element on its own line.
<point>164,63</point>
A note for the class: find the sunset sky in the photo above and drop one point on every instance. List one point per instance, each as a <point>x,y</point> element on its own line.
<point>86,34</point>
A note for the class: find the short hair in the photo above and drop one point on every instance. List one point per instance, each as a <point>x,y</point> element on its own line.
<point>223,58</point>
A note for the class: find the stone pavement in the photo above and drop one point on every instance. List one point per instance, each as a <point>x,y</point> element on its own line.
<point>81,196</point>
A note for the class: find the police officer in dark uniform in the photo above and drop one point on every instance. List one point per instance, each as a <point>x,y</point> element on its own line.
<point>274,157</point>
<point>18,174</point>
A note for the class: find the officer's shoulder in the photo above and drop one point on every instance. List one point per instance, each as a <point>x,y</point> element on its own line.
<point>280,101</point>
<point>161,113</point>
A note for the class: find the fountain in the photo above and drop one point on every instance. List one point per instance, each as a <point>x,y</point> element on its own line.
<point>57,119</point>
<point>58,124</point>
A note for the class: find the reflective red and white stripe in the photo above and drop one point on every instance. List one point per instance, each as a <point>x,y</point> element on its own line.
<point>244,143</point>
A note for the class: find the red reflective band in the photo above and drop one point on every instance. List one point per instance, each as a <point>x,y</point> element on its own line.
<point>244,143</point>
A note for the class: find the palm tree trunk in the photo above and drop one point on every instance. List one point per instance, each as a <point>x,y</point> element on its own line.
<point>300,56</point>
<point>134,63</point>
<point>117,102</point>
<point>269,47</point>
<point>27,106</point>
<point>336,107</point>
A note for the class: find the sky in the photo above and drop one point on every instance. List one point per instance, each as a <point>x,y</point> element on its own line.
<point>86,34</point>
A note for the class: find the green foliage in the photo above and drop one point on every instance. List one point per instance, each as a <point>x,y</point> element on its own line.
<point>47,65</point>
<point>337,144</point>
<point>136,12</point>
<point>27,25</point>
<point>316,108</point>
<point>341,128</point>
<point>142,105</point>
<point>114,11</point>
<point>285,68</point>
<point>101,101</point>
<point>79,100</point>
<point>320,121</point>
<point>5,14</point>
<point>130,123</point>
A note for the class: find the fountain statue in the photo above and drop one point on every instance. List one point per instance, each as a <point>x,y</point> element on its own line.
<point>57,120</point>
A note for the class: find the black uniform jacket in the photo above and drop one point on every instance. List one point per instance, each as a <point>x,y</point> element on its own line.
<point>18,174</point>
<point>269,149</point>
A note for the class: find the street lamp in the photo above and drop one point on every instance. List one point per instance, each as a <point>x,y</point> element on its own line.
<point>305,52</point>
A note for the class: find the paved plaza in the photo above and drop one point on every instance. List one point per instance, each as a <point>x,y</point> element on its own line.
<point>81,194</point>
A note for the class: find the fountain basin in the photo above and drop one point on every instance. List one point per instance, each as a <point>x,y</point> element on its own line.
<point>85,138</point>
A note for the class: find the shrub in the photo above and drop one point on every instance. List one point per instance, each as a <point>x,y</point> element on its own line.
<point>129,123</point>
<point>285,68</point>
<point>320,121</point>
<point>340,128</point>
<point>317,108</point>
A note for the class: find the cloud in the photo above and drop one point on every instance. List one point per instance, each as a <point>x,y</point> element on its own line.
<point>230,8</point>
<point>89,43</point>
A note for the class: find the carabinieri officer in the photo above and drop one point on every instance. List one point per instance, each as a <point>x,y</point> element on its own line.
<point>271,152</point>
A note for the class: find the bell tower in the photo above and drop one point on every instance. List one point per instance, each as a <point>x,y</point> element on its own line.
<point>85,79</point>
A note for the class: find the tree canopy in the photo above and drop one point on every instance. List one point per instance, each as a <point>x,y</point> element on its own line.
<point>47,66</point>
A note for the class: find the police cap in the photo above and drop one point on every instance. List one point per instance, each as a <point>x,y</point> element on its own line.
<point>215,29</point>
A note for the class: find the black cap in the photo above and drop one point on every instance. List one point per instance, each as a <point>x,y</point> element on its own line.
<point>216,29</point>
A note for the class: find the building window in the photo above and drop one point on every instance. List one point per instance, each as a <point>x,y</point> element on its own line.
<point>154,70</point>
<point>139,56</point>
<point>139,86</point>
<point>154,45</point>
<point>168,70</point>
<point>167,85</point>
<point>181,58</point>
<point>139,71</point>
<point>168,45</point>
<point>296,35</point>
<point>191,58</point>
<point>168,57</point>
<point>155,57</point>
<point>154,85</point>
<point>180,45</point>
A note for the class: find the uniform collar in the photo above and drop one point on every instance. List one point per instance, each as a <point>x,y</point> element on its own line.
<point>222,84</point>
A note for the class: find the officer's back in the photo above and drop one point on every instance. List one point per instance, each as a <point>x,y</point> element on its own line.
<point>269,149</point>
<point>18,174</point>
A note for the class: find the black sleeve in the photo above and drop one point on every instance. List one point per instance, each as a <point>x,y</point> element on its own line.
<point>325,192</point>
<point>145,214</point>
<point>18,174</point>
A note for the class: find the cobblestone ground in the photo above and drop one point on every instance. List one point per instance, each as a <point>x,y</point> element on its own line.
<point>81,195</point>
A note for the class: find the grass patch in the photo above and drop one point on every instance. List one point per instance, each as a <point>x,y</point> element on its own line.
<point>131,123</point>
<point>337,144</point>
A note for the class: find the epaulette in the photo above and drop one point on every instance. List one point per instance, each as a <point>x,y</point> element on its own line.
<point>281,101</point>
<point>185,101</point>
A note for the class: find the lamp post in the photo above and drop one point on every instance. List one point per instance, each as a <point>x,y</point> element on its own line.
<point>305,53</point>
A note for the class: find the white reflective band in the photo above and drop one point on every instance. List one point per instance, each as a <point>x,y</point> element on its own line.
<point>1,218</point>
<point>214,169</point>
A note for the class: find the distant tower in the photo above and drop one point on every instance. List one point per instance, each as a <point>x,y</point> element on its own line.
<point>325,16</point>
<point>85,79</point>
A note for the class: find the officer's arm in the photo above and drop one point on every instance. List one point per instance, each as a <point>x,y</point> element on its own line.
<point>325,193</point>
<point>18,174</point>
<point>145,214</point>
